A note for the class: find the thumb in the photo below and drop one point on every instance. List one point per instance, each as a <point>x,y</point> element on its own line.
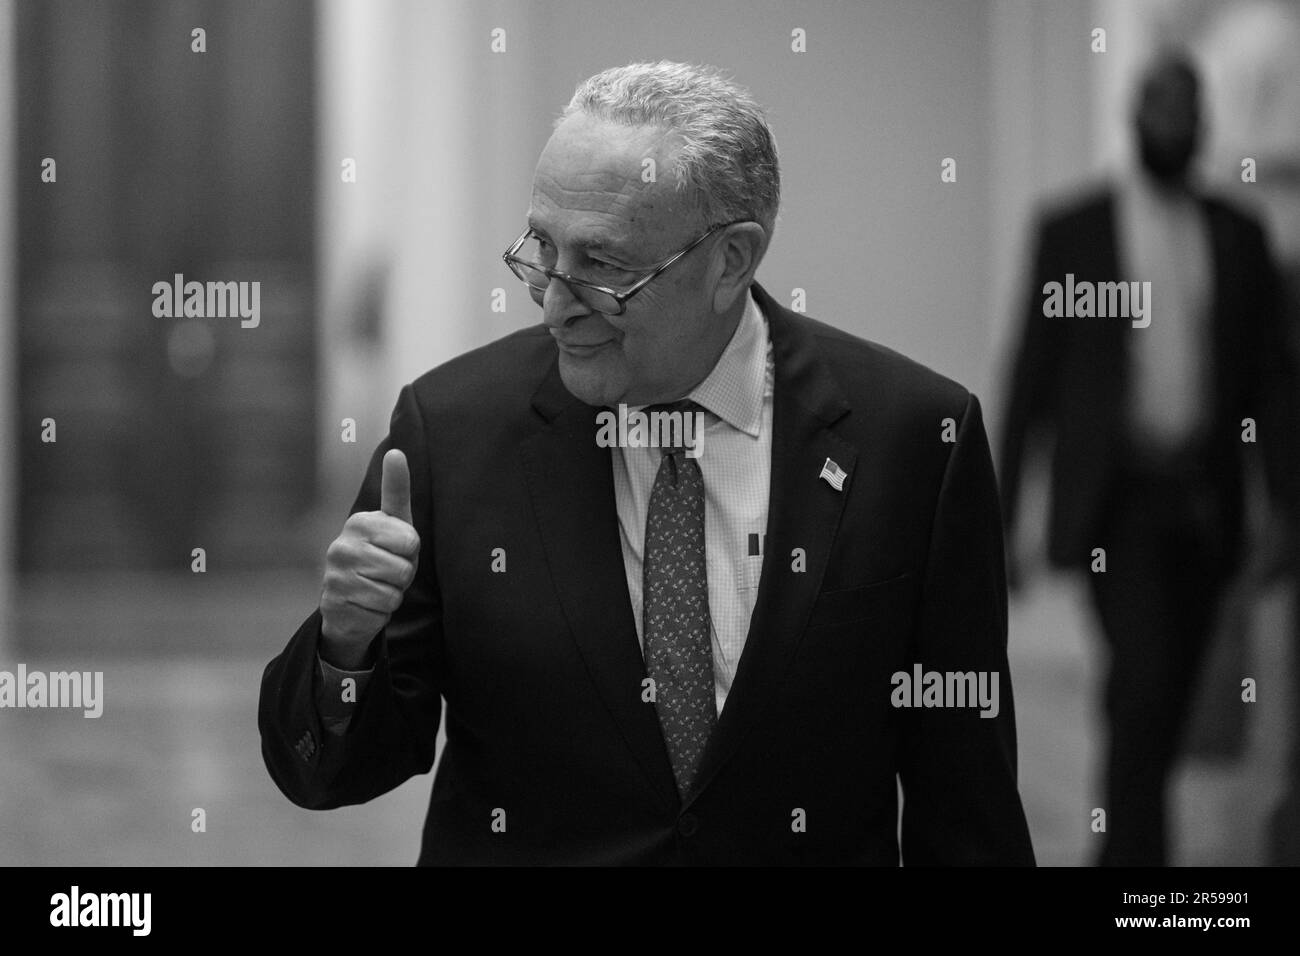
<point>395,487</point>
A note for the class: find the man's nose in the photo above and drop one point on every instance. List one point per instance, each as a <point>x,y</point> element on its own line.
<point>560,306</point>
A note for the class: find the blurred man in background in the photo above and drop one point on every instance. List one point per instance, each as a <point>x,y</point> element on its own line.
<point>1153,419</point>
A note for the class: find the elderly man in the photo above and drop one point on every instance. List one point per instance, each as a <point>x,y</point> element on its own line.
<point>725,650</point>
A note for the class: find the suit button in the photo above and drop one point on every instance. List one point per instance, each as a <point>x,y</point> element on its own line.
<point>306,746</point>
<point>688,824</point>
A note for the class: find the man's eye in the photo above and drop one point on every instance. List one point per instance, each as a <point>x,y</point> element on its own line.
<point>609,269</point>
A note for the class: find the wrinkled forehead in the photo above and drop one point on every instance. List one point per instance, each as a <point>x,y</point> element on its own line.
<point>616,179</point>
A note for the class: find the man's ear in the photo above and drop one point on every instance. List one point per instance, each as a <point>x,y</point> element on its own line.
<point>735,259</point>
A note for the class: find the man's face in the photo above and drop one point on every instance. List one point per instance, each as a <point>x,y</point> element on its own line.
<point>588,188</point>
<point>1168,124</point>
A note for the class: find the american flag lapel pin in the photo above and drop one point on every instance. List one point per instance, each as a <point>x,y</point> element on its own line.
<point>834,475</point>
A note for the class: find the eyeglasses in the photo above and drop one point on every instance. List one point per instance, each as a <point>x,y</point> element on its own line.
<point>526,260</point>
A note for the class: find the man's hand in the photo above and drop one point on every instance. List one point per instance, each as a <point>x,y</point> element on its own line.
<point>368,568</point>
<point>1025,564</point>
<point>1273,553</point>
<point>1015,573</point>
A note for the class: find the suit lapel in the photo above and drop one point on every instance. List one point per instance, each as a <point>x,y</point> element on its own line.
<point>1111,338</point>
<point>571,483</point>
<point>803,512</point>
<point>1219,346</point>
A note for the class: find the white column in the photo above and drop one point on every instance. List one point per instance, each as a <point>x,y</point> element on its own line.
<point>434,120</point>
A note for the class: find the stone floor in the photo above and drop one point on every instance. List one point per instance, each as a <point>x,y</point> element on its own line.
<point>179,732</point>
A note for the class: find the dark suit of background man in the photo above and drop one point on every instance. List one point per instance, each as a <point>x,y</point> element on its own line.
<point>825,538</point>
<point>1147,421</point>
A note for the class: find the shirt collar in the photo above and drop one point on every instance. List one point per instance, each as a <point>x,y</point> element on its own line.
<point>1142,190</point>
<point>736,388</point>
<point>733,390</point>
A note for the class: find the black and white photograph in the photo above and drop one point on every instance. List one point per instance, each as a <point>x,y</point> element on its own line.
<point>601,434</point>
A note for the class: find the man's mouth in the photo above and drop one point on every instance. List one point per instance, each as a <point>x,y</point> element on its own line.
<point>581,348</point>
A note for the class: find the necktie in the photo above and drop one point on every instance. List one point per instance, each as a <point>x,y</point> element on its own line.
<point>675,608</point>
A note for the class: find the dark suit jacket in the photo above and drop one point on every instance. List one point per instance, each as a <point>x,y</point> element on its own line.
<point>541,668</point>
<point>1070,376</point>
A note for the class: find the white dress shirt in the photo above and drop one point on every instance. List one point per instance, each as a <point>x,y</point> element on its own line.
<point>736,462</point>
<point>1164,240</point>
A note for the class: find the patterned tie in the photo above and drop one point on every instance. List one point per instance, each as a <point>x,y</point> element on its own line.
<point>675,608</point>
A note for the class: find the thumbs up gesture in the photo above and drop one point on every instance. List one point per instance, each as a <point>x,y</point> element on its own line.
<point>368,568</point>
<point>395,488</point>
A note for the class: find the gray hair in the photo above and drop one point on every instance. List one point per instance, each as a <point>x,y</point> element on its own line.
<point>728,154</point>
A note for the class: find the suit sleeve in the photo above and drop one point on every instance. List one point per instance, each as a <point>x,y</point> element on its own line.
<point>1031,395</point>
<point>392,733</point>
<point>958,764</point>
<point>1273,382</point>
<point>335,699</point>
